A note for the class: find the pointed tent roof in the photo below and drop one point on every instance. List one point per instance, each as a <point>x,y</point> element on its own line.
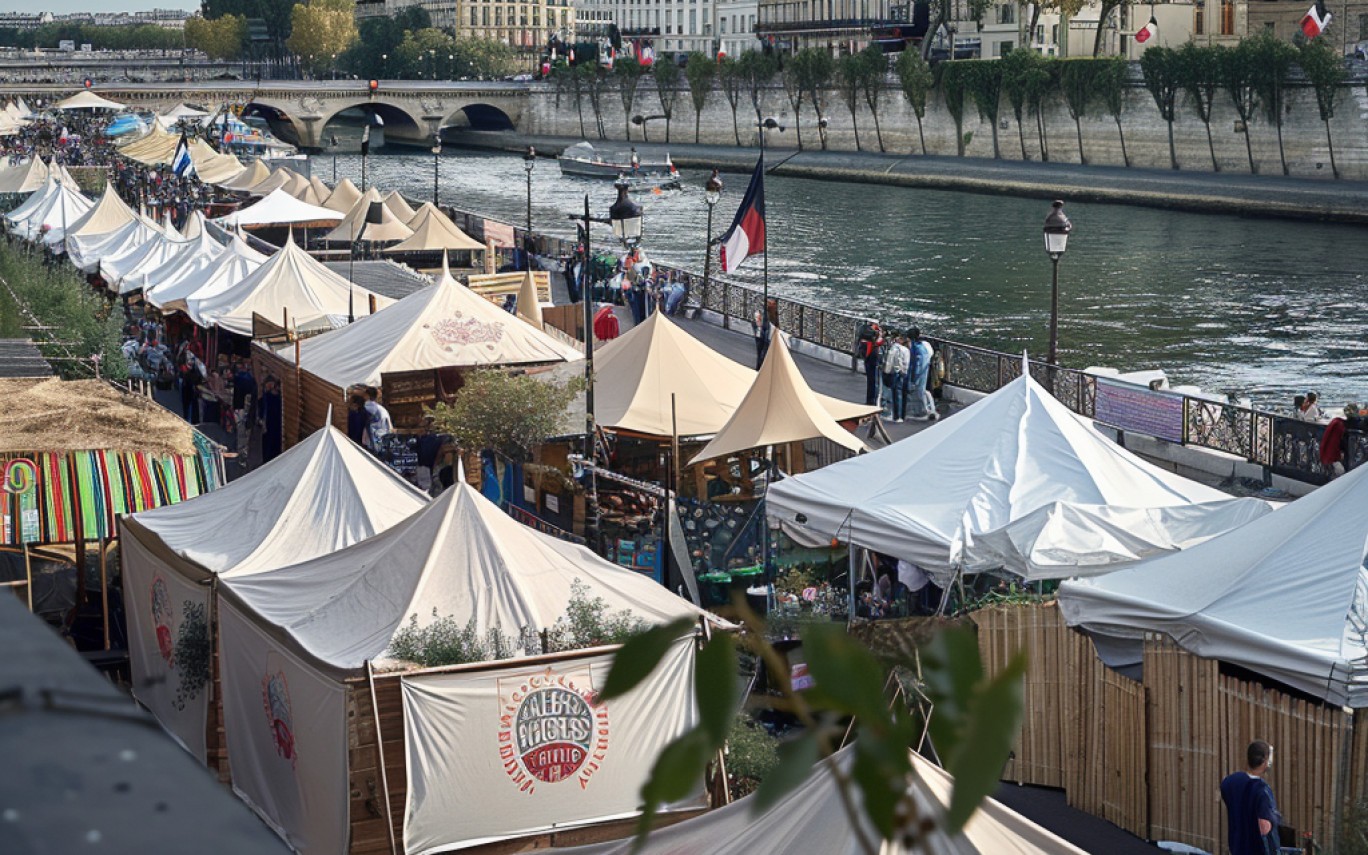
<point>169,228</point>
<point>297,186</point>
<point>108,214</point>
<point>343,196</point>
<point>460,557</point>
<point>63,206</point>
<point>184,111</point>
<point>444,325</point>
<point>434,231</point>
<point>133,272</point>
<point>35,200</point>
<point>324,494</point>
<point>1283,596</point>
<point>87,100</point>
<point>279,178</point>
<point>194,225</point>
<point>232,266</point>
<point>529,303</point>
<point>194,256</point>
<point>354,226</point>
<point>315,193</point>
<point>249,177</point>
<point>290,283</point>
<point>1016,481</point>
<point>399,206</point>
<point>279,209</point>
<point>212,167</point>
<point>86,251</point>
<point>778,408</point>
<point>635,374</point>
<point>24,177</point>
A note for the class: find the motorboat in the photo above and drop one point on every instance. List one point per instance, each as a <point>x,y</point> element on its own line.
<point>582,161</point>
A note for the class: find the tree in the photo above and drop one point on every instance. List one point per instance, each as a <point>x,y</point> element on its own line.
<point>277,16</point>
<point>1239,71</point>
<point>1076,84</point>
<point>815,68</point>
<point>666,74</point>
<point>321,30</point>
<point>875,69</point>
<point>916,79</point>
<point>1023,72</point>
<point>953,88</point>
<point>1040,87</point>
<point>1322,65</point>
<point>1199,68</point>
<point>729,74</point>
<point>984,80</point>
<point>570,75</point>
<point>220,38</point>
<point>850,79</point>
<point>1160,67</point>
<point>758,69</point>
<point>1110,84</point>
<point>629,73</point>
<point>510,414</point>
<point>793,90</point>
<point>595,84</point>
<point>699,70</point>
<point>1275,59</point>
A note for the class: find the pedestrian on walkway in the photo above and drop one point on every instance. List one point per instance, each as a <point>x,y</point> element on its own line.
<point>895,364</point>
<point>270,421</point>
<point>1250,807</point>
<point>920,405</point>
<point>378,422</point>
<point>244,411</point>
<point>869,349</point>
<point>763,327</point>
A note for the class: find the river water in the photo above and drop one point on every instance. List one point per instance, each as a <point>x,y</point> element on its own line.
<point>1262,308</point>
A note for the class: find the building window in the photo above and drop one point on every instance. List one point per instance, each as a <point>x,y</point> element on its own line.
<point>1199,21</point>
<point>1227,18</point>
<point>693,21</point>
<point>722,26</point>
<point>1054,34</point>
<point>1004,48</point>
<point>669,22</point>
<point>1007,13</point>
<point>474,17</point>
<point>1363,27</point>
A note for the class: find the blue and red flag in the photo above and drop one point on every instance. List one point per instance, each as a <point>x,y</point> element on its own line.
<point>746,237</point>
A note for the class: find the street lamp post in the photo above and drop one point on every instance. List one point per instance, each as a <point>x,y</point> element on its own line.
<point>769,124</point>
<point>712,193</point>
<point>1057,228</point>
<point>436,154</point>
<point>529,163</point>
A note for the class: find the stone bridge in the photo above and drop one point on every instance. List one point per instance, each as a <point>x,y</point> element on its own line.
<point>413,111</point>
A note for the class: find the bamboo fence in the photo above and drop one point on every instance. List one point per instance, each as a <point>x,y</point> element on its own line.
<point>1149,755</point>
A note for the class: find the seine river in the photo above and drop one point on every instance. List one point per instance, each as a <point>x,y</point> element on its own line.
<point>1262,308</point>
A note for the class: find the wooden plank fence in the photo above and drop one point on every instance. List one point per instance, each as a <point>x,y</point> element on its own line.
<point>1149,756</point>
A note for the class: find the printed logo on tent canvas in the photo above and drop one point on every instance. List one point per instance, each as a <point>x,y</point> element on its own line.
<point>275,693</point>
<point>461,330</point>
<point>550,731</point>
<point>162,616</point>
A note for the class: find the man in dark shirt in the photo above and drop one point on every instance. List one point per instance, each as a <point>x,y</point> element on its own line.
<point>1250,807</point>
<point>269,414</point>
<point>244,409</point>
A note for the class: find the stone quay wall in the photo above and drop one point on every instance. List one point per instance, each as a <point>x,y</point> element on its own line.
<point>553,112</point>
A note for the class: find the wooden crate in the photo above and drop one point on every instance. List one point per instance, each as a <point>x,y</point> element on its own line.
<point>495,286</point>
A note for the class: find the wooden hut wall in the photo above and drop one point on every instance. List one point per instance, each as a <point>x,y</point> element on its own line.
<point>316,395</point>
<point>1148,756</point>
<point>369,835</point>
<point>266,363</point>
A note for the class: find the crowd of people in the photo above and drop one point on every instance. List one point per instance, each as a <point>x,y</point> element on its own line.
<point>900,371</point>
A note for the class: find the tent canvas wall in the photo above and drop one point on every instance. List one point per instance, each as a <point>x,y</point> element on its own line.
<point>1015,482</point>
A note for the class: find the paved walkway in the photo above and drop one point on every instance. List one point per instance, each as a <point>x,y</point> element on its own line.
<point>1208,192</point>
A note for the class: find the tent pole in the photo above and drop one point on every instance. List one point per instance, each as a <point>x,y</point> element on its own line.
<point>380,758</point>
<point>28,574</point>
<point>104,589</point>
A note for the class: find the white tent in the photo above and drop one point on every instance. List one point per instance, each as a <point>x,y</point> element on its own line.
<point>197,255</point>
<point>343,196</point>
<point>169,228</point>
<point>25,209</point>
<point>24,177</point>
<point>355,225</point>
<point>460,557</point>
<point>194,225</point>
<point>324,494</point>
<point>291,284</point>
<point>636,374</point>
<point>813,819</point>
<point>183,111</point>
<point>237,261</point>
<point>248,178</point>
<point>108,214</point>
<point>399,206</point>
<point>1286,596</point>
<point>86,251</point>
<point>1016,482</point>
<point>778,408</point>
<point>63,205</point>
<point>434,231</point>
<point>279,208</point>
<point>444,325</point>
<point>87,100</point>
<point>127,272</point>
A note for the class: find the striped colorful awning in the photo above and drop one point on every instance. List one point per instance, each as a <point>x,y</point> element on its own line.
<point>39,491</point>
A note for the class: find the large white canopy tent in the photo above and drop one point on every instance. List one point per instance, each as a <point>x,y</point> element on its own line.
<point>459,559</point>
<point>279,208</point>
<point>108,214</point>
<point>127,273</point>
<point>236,262</point>
<point>778,408</point>
<point>1285,596</point>
<point>636,374</point>
<point>249,177</point>
<point>86,251</point>
<point>198,254</point>
<point>24,177</point>
<point>357,226</point>
<point>812,818</point>
<point>446,324</point>
<point>324,494</point>
<point>292,288</point>
<point>87,100</point>
<point>56,209</point>
<point>1014,482</point>
<point>342,197</point>
<point>434,231</point>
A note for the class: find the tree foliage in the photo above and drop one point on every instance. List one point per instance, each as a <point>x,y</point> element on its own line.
<point>511,414</point>
<point>1239,76</point>
<point>1199,69</point>
<point>321,30</point>
<point>628,75</point>
<point>1160,67</point>
<point>1324,68</point>
<point>813,70</point>
<point>221,38</point>
<point>757,69</point>
<point>1110,85</point>
<point>83,323</point>
<point>1076,84</point>
<point>275,14</point>
<point>983,79</point>
<point>954,89</point>
<point>666,75</point>
<point>1024,78</point>
<point>699,70</point>
<point>916,80</point>
<point>1274,60</point>
<point>732,80</point>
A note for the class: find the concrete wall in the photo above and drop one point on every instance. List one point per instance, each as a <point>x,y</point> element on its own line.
<point>1146,134</point>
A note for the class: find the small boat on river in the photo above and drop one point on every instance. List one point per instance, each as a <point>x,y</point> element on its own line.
<point>582,161</point>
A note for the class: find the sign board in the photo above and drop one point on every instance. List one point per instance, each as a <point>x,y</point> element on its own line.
<point>1135,408</point>
<point>406,393</point>
<point>67,45</point>
<point>498,234</point>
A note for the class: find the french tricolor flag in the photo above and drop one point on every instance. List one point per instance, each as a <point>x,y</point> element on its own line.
<point>1147,32</point>
<point>1316,21</point>
<point>746,237</point>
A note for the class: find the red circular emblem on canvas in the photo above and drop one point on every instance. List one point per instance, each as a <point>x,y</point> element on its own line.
<point>554,729</point>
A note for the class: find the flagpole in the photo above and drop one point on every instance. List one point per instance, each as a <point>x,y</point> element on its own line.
<point>764,276</point>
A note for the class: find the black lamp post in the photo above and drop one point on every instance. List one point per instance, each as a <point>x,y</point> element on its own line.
<point>1057,228</point>
<point>769,124</point>
<point>625,217</point>
<point>712,194</point>
<point>529,164</point>
<point>436,154</point>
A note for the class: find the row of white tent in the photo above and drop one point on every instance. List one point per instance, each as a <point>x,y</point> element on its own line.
<point>1017,483</point>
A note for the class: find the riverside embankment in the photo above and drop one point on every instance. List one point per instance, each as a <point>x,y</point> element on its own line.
<point>1229,193</point>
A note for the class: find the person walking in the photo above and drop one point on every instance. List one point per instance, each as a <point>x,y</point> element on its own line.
<point>269,415</point>
<point>1251,810</point>
<point>763,327</point>
<point>920,405</point>
<point>895,363</point>
<point>869,348</point>
<point>244,411</point>
<point>378,422</point>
